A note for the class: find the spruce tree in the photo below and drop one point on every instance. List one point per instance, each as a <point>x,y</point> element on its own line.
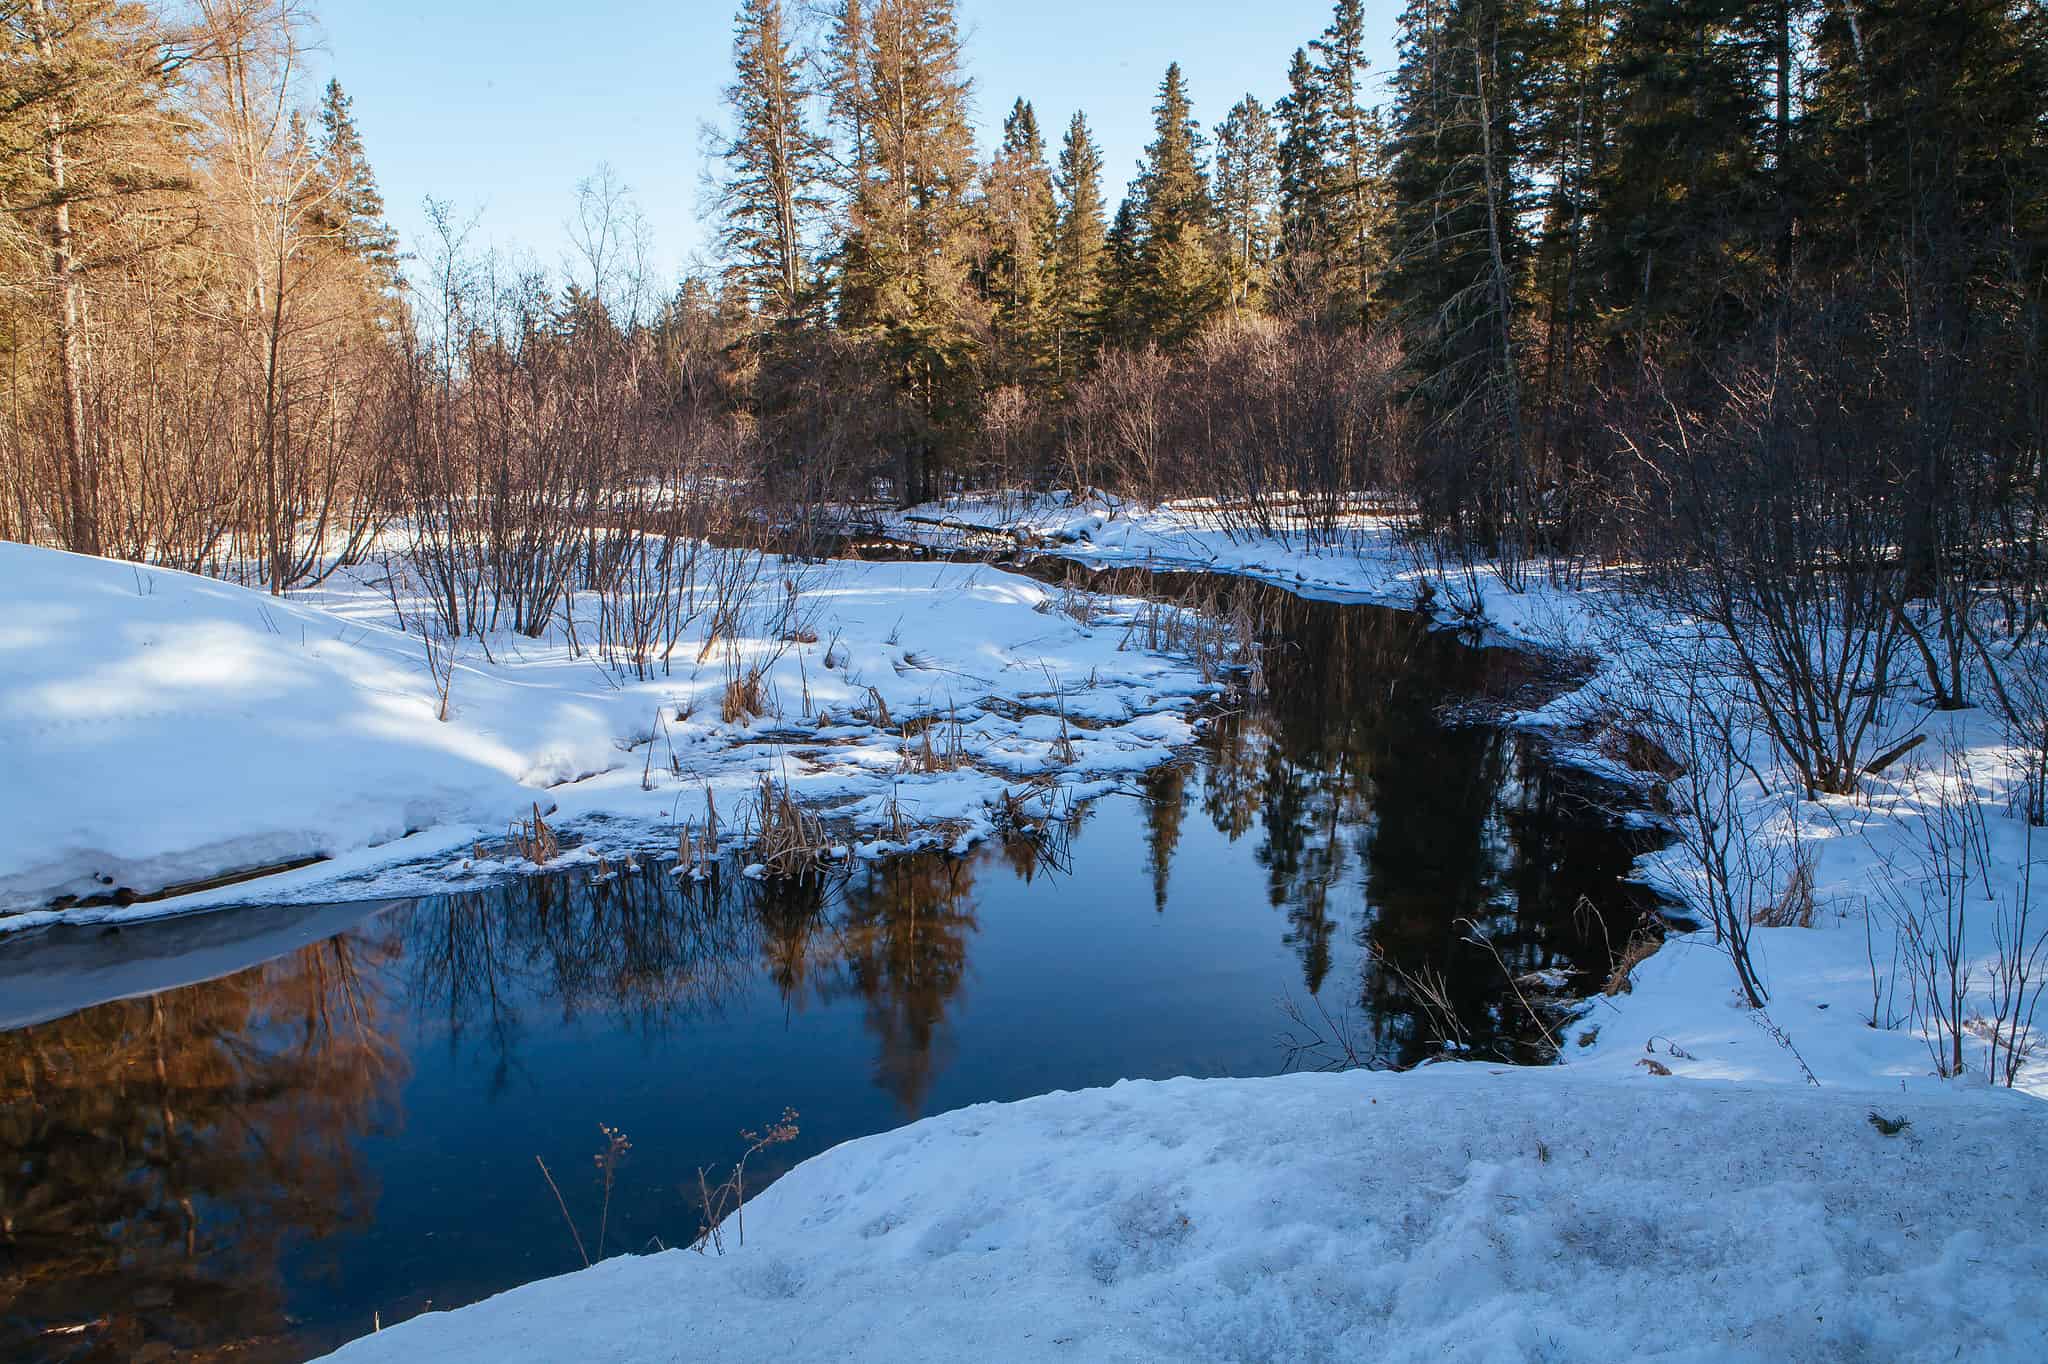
<point>1077,254</point>
<point>1247,174</point>
<point>354,209</point>
<point>1353,215</point>
<point>1180,281</point>
<point>774,162</point>
<point>1458,190</point>
<point>1682,229</point>
<point>905,278</point>
<point>1304,157</point>
<point>1022,214</point>
<point>1117,322</point>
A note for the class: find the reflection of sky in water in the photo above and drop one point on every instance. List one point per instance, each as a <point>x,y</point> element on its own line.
<point>485,1030</point>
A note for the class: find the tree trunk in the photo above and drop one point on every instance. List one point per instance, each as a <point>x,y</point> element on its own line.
<point>81,530</point>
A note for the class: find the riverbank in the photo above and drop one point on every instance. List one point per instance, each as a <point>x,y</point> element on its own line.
<point>1453,1213</point>
<point>1841,977</point>
<point>164,729</point>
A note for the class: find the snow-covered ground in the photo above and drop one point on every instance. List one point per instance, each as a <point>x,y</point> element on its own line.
<point>162,728</point>
<point>1453,1213</point>
<point>1699,1180</point>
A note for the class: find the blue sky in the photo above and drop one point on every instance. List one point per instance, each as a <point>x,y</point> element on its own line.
<point>501,106</point>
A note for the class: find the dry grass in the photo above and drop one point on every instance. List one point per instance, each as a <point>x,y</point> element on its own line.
<point>947,754</point>
<point>1640,948</point>
<point>698,845</point>
<point>1794,906</point>
<point>533,840</point>
<point>1199,627</point>
<point>878,711</point>
<point>785,838</point>
<point>744,697</point>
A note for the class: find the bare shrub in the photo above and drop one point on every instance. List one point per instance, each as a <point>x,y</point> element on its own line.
<point>1676,691</point>
<point>1930,906</point>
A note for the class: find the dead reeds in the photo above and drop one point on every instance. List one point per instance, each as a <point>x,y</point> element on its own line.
<point>533,840</point>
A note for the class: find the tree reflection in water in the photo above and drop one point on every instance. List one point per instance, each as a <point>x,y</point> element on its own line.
<point>1346,761</point>
<point>161,1158</point>
<point>157,1154</point>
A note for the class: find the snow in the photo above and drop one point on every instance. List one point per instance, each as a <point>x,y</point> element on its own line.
<point>1699,1180</point>
<point>163,728</point>
<point>1865,851</point>
<point>1454,1213</point>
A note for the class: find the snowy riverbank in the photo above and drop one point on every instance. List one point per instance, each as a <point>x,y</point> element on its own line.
<point>1454,1213</point>
<point>1865,856</point>
<point>163,728</point>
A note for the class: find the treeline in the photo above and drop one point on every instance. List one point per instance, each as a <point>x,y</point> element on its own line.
<point>197,287</point>
<point>1571,240</point>
<point>1584,278</point>
<point>211,355</point>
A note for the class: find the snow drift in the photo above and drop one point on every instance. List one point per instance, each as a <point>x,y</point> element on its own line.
<point>1457,1213</point>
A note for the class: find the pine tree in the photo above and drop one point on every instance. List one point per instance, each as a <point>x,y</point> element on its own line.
<point>1247,174</point>
<point>1304,157</point>
<point>1117,322</point>
<point>1022,216</point>
<point>774,163</point>
<point>1077,254</point>
<point>1179,281</point>
<point>905,265</point>
<point>1353,214</point>
<point>354,211</point>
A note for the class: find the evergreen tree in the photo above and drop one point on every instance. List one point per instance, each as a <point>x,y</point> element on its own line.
<point>1304,157</point>
<point>1247,173</point>
<point>774,162</point>
<point>1116,321</point>
<point>1022,217</point>
<point>1458,189</point>
<point>1353,213</point>
<point>354,209</point>
<point>1077,253</point>
<point>1179,282</point>
<point>1566,143</point>
<point>906,262</point>
<point>1682,193</point>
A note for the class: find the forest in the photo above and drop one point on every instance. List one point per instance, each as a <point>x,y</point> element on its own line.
<point>1739,301</point>
<point>1591,280</point>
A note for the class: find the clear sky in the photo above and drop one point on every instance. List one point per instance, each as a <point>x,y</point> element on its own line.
<point>501,106</point>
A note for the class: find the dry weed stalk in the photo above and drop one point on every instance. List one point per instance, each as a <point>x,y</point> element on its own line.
<point>608,1159</point>
<point>730,1196</point>
<point>697,847</point>
<point>1639,949</point>
<point>878,711</point>
<point>744,696</point>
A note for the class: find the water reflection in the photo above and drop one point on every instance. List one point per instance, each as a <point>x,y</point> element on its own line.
<point>156,1154</point>
<point>222,1166</point>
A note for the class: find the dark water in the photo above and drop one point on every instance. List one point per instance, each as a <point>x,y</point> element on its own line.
<point>263,1163</point>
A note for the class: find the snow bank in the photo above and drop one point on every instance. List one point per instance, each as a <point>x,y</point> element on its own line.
<point>1457,1213</point>
<point>162,728</point>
